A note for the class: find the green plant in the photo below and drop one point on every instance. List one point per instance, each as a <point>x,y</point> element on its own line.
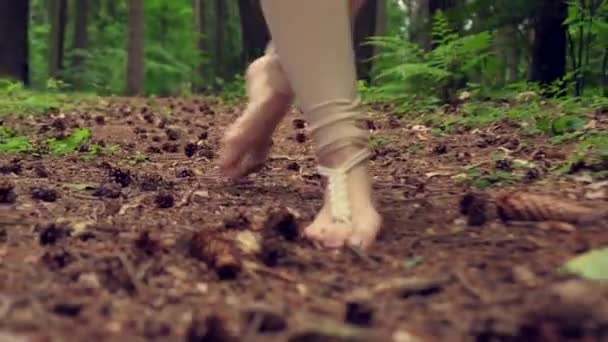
<point>234,90</point>
<point>15,144</point>
<point>71,143</point>
<point>16,99</point>
<point>11,141</point>
<point>138,158</point>
<point>408,74</point>
<point>483,179</point>
<point>377,141</point>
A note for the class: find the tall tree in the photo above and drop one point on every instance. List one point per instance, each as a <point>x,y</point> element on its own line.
<point>58,19</point>
<point>370,21</point>
<point>419,29</point>
<point>14,52</point>
<point>508,52</point>
<point>421,17</point>
<point>200,22</point>
<point>81,32</point>
<point>220,27</point>
<point>163,21</point>
<point>135,62</point>
<point>254,30</point>
<point>549,50</point>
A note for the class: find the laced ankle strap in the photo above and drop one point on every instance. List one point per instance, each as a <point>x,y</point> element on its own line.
<point>338,188</point>
<point>340,111</point>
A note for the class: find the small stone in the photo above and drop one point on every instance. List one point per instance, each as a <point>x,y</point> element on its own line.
<point>52,233</point>
<point>45,195</point>
<point>7,193</point>
<point>67,309</point>
<point>89,280</point>
<point>164,200</point>
<point>122,177</point>
<point>57,259</point>
<point>504,164</point>
<point>40,171</point>
<point>293,166</point>
<point>170,148</point>
<point>299,124</point>
<point>300,138</point>
<point>359,313</point>
<point>474,207</point>
<point>441,148</point>
<point>211,329</point>
<point>100,120</point>
<point>190,150</point>
<point>108,190</point>
<point>172,134</point>
<point>184,173</point>
<point>268,322</point>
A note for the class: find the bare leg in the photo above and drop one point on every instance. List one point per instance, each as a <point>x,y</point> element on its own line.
<point>319,62</point>
<point>247,141</point>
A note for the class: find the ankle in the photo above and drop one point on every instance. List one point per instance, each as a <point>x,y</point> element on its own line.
<point>338,157</point>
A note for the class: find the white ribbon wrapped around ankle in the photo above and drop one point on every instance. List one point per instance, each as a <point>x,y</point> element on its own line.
<point>338,188</point>
<point>330,113</point>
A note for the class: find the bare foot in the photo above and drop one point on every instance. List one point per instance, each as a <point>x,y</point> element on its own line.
<point>361,228</point>
<point>247,141</point>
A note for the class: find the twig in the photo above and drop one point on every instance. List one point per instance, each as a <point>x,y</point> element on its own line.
<point>6,305</point>
<point>361,254</point>
<point>253,326</point>
<point>130,271</point>
<point>472,289</point>
<point>253,267</point>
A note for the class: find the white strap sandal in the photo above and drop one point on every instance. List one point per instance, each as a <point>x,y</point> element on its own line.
<point>338,187</point>
<point>347,136</point>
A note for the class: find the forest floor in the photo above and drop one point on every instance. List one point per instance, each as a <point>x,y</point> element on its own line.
<point>135,236</point>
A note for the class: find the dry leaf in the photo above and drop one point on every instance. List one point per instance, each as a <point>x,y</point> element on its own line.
<point>557,225</point>
<point>596,194</point>
<point>439,173</point>
<point>420,128</point>
<point>248,242</point>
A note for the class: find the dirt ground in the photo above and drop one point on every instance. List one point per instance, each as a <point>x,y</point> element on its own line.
<point>157,247</point>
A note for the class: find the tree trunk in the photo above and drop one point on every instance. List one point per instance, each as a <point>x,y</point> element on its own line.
<point>220,27</point>
<point>381,17</point>
<point>163,22</point>
<point>513,58</point>
<point>367,25</point>
<point>58,18</point>
<point>254,31</point>
<point>200,22</point>
<point>135,49</point>
<point>549,51</point>
<point>441,5</point>
<point>420,28</point>
<point>605,72</point>
<point>508,54</point>
<point>81,32</point>
<point>14,51</point>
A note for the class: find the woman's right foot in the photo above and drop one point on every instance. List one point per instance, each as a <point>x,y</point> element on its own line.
<point>357,224</point>
<point>247,141</point>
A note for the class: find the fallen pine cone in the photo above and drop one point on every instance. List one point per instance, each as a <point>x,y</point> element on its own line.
<point>523,206</point>
<point>218,252</point>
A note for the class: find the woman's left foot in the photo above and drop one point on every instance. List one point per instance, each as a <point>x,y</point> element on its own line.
<point>247,141</point>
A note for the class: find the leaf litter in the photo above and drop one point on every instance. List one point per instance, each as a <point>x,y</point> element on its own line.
<point>166,235</point>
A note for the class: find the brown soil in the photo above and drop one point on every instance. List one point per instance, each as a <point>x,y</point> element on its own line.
<point>118,249</point>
